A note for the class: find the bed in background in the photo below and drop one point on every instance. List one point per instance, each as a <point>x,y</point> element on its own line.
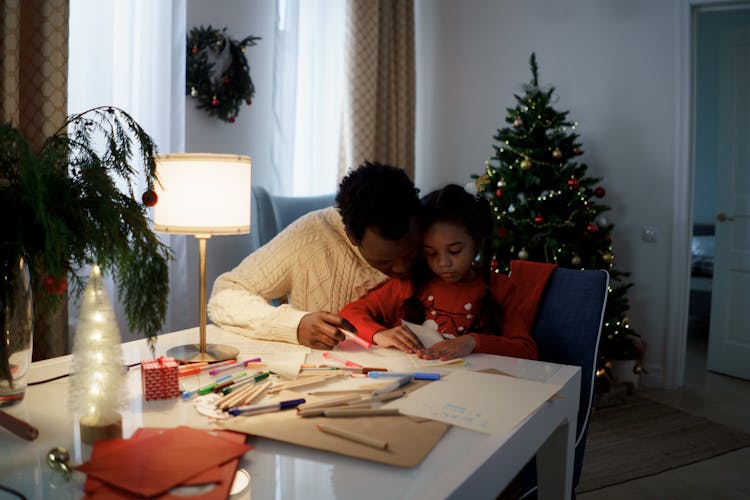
<point>701,273</point>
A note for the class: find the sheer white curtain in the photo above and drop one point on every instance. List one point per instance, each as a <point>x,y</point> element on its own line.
<point>131,54</point>
<point>308,95</point>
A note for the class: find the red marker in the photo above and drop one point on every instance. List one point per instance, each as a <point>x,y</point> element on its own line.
<point>351,331</point>
<point>346,362</point>
<point>356,338</point>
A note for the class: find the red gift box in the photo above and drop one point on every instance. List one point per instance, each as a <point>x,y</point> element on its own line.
<point>160,378</point>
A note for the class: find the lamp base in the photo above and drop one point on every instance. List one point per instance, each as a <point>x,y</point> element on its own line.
<point>192,353</point>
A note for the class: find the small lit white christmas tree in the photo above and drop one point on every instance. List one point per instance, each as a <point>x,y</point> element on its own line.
<point>97,384</point>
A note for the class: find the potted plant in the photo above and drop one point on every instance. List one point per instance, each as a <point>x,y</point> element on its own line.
<point>71,204</point>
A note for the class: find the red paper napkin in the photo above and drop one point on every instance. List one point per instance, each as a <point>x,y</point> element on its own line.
<point>153,464</point>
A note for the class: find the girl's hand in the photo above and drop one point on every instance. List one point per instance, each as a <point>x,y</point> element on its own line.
<point>400,338</point>
<point>451,348</point>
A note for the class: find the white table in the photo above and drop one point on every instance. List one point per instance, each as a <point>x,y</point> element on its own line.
<point>464,464</point>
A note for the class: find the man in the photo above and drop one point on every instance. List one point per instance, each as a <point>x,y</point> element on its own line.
<point>323,261</point>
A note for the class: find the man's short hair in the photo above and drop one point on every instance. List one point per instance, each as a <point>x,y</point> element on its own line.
<point>378,196</point>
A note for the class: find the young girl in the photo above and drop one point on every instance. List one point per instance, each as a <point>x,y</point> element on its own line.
<point>473,308</point>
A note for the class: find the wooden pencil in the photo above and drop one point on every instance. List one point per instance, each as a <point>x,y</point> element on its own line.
<point>330,402</point>
<point>226,401</point>
<point>354,436</point>
<point>360,412</point>
<point>299,383</point>
<point>261,390</point>
<point>375,399</point>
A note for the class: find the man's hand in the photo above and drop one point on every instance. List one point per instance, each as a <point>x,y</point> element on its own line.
<point>451,348</point>
<point>320,330</point>
<point>399,337</point>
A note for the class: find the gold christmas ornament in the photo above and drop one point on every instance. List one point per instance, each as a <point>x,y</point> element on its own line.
<point>608,257</point>
<point>194,92</point>
<point>557,154</point>
<point>523,254</point>
<point>518,122</point>
<point>482,182</point>
<point>575,261</point>
<point>526,164</point>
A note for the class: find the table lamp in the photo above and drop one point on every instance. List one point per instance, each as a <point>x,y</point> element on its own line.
<point>203,195</point>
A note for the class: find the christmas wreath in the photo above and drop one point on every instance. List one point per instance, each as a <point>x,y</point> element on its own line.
<point>218,75</point>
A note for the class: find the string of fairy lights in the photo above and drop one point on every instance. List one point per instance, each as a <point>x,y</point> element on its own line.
<point>547,208</point>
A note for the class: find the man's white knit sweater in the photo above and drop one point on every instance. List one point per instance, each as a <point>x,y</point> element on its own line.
<point>312,263</point>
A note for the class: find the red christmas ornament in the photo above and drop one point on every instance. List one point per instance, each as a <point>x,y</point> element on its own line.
<point>248,102</point>
<point>214,102</point>
<point>502,232</point>
<point>149,198</point>
<point>226,80</point>
<point>194,50</point>
<point>599,192</point>
<point>578,151</point>
<point>231,119</point>
<point>538,219</point>
<point>591,228</point>
<point>499,193</point>
<point>573,182</point>
<point>493,264</point>
<point>53,286</point>
<point>62,285</point>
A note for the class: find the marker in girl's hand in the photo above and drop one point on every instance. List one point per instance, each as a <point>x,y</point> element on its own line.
<point>351,332</point>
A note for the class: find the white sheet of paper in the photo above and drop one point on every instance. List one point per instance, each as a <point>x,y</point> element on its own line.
<point>477,401</point>
<point>279,357</point>
<point>426,335</point>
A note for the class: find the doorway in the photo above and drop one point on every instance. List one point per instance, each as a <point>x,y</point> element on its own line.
<point>711,25</point>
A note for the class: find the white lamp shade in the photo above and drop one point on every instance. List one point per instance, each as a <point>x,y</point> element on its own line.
<point>200,193</point>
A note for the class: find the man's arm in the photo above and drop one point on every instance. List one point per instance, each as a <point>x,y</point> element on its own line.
<point>239,300</point>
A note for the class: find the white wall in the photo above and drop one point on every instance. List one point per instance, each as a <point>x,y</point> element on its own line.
<point>613,66</point>
<point>249,135</point>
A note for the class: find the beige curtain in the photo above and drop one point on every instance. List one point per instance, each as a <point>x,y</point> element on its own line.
<point>33,97</point>
<point>379,106</point>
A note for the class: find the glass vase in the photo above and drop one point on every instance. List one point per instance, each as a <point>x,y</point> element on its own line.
<point>16,320</point>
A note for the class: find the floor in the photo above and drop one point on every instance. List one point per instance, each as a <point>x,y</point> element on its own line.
<point>723,399</point>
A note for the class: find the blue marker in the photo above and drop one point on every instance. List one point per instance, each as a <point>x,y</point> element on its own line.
<point>187,394</point>
<point>255,409</point>
<point>417,376</point>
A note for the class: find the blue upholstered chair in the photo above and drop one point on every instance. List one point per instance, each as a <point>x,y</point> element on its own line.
<point>272,213</point>
<point>567,331</point>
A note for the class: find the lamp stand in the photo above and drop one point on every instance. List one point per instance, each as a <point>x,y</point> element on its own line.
<point>202,352</point>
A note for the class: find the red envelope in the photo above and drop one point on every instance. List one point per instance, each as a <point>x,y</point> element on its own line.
<point>154,464</point>
<point>221,477</point>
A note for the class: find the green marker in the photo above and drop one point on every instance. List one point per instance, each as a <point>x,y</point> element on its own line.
<point>240,385</point>
<point>206,389</point>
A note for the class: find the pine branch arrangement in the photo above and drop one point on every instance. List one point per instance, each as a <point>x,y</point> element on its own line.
<point>73,205</point>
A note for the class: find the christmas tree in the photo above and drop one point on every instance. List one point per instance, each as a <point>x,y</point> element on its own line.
<point>547,209</point>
